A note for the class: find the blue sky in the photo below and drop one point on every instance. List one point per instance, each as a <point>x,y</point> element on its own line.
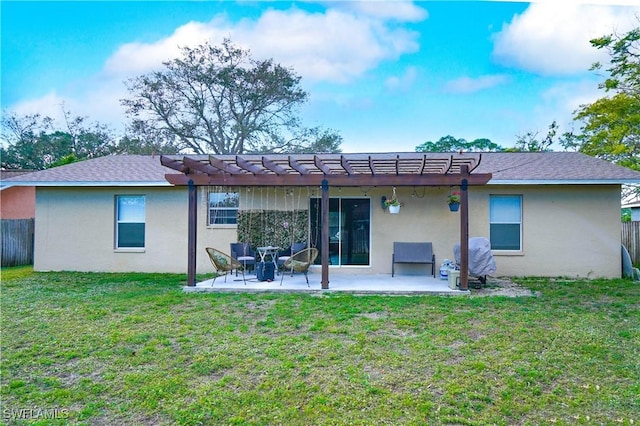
<point>387,75</point>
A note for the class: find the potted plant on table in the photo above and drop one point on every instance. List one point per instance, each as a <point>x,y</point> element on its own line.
<point>454,201</point>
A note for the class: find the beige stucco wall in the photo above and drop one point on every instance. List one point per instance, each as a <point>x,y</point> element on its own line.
<point>67,238</point>
<point>570,231</point>
<point>567,231</point>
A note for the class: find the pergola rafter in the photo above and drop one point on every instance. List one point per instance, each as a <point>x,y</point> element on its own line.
<point>325,170</point>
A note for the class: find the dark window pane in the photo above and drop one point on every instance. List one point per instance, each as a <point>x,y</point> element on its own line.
<point>223,208</point>
<point>218,217</point>
<point>505,236</point>
<point>349,230</point>
<point>224,200</point>
<point>130,235</point>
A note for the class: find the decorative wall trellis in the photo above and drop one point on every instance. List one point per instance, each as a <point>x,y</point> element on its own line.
<point>273,227</point>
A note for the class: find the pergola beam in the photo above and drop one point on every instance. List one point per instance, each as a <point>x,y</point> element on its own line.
<point>334,180</point>
<point>372,166</point>
<point>250,167</point>
<point>320,165</point>
<point>298,167</point>
<point>225,167</point>
<point>204,168</point>
<point>174,164</point>
<point>272,166</point>
<point>346,166</point>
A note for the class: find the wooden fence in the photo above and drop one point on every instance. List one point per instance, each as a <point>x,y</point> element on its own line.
<point>631,240</point>
<point>17,242</point>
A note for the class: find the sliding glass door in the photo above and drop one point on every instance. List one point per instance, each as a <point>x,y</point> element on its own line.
<point>349,230</point>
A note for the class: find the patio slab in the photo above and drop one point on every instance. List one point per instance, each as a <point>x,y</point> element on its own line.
<point>338,283</point>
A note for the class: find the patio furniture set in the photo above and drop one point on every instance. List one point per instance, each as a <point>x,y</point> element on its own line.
<point>265,261</point>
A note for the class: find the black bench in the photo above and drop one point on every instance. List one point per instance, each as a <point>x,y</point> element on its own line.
<point>421,253</point>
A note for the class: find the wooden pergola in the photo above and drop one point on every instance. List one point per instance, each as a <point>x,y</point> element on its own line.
<point>324,171</point>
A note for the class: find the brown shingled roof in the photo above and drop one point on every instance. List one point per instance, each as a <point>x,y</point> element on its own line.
<point>9,173</point>
<point>526,167</point>
<point>111,169</point>
<point>553,166</point>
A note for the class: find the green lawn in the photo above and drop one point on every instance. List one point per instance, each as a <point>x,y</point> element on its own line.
<point>134,349</point>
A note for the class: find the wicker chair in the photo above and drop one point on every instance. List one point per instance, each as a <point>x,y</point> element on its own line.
<point>286,254</point>
<point>300,262</point>
<point>222,262</point>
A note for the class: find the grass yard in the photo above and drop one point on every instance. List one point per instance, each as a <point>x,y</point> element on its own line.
<point>133,349</point>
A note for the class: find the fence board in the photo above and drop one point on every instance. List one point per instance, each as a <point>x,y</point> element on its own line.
<point>17,242</point>
<point>631,240</point>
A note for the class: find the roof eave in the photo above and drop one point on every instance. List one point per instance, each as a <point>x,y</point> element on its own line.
<point>563,181</point>
<point>89,184</point>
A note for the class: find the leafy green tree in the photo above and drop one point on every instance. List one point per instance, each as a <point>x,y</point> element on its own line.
<point>34,142</point>
<point>218,99</point>
<point>610,126</point>
<point>19,135</point>
<point>611,130</point>
<point>451,144</point>
<point>624,70</point>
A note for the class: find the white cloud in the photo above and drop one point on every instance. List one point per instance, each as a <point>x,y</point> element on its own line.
<point>333,46</point>
<point>553,37</point>
<point>404,11</point>
<point>566,97</point>
<point>138,58</point>
<point>101,103</point>
<point>402,82</point>
<point>471,85</point>
<point>49,105</point>
<point>557,103</point>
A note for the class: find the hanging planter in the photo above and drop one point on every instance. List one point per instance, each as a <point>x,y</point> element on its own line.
<point>392,203</point>
<point>454,201</point>
<point>394,209</point>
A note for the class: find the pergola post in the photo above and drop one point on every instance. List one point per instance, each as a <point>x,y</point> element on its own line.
<point>324,235</point>
<point>464,234</point>
<point>192,234</point>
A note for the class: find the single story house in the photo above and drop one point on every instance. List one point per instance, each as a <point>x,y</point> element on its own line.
<point>545,213</point>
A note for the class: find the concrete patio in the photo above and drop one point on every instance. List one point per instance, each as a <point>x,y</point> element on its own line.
<point>338,283</point>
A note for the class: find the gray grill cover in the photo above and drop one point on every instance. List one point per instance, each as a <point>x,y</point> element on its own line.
<point>481,260</point>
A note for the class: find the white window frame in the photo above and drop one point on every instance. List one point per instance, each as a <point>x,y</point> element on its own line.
<point>212,209</point>
<point>136,218</point>
<point>507,222</point>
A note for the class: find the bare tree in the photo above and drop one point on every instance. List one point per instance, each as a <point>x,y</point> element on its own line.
<point>218,99</point>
